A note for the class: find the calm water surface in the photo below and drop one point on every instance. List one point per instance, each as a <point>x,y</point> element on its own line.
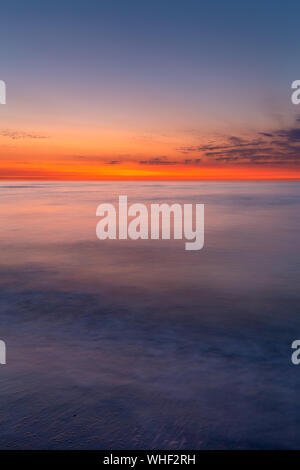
<point>141,344</point>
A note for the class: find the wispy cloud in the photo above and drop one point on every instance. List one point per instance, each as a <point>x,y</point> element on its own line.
<point>15,135</point>
<point>158,161</point>
<point>278,147</point>
<point>165,161</point>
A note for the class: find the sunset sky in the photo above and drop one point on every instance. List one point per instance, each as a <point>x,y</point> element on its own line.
<point>149,90</point>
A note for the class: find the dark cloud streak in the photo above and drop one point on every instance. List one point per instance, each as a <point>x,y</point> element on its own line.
<point>277,147</point>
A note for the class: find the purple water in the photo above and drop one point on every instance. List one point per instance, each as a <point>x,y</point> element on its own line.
<point>141,344</point>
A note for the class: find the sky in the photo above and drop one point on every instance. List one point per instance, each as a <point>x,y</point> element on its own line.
<point>104,90</point>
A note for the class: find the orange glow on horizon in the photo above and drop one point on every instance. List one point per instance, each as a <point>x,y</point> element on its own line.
<point>138,172</point>
<point>116,155</point>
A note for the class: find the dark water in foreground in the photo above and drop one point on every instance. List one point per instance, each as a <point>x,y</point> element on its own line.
<point>123,344</point>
